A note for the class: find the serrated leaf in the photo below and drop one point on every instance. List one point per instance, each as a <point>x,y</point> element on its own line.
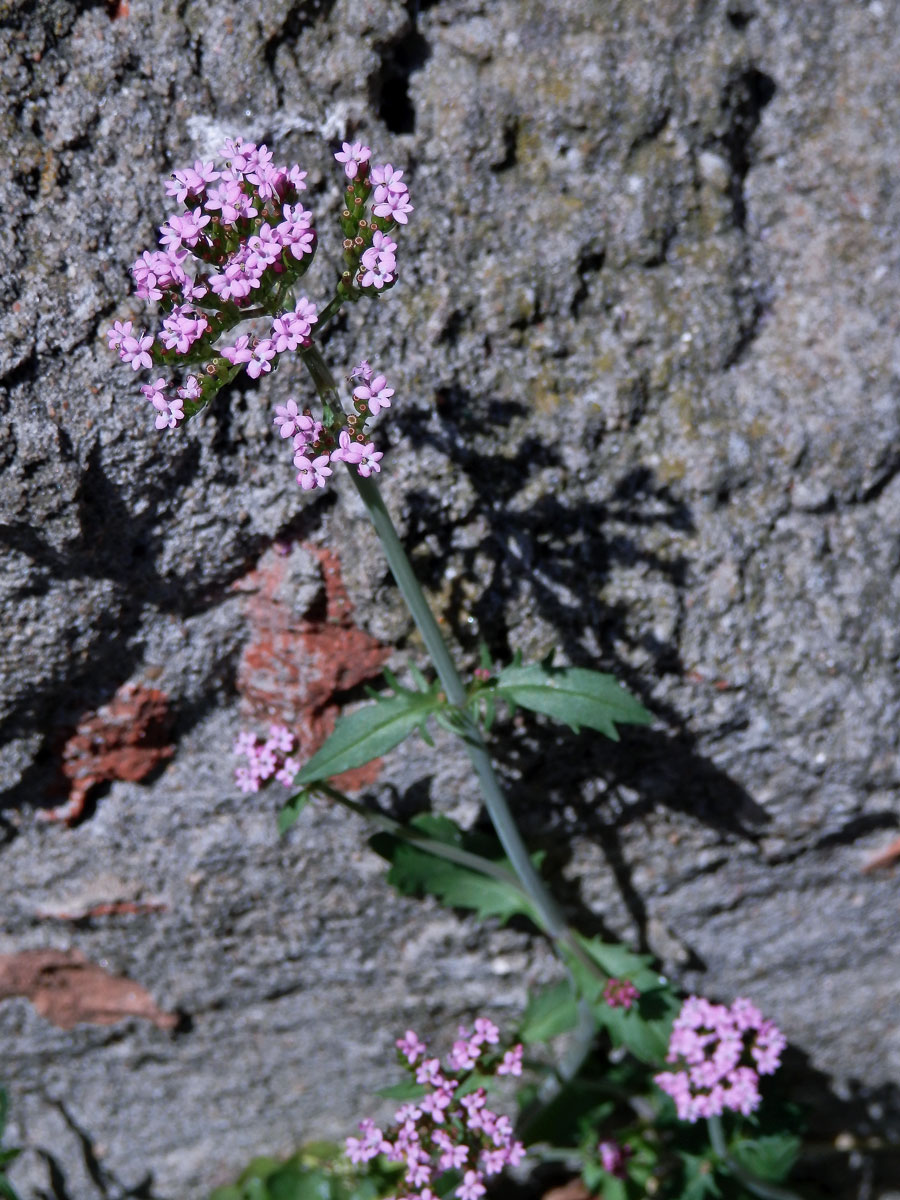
<point>573,696</point>
<point>292,810</point>
<point>369,733</point>
<point>419,679</point>
<point>621,963</point>
<point>769,1158</point>
<point>550,1012</point>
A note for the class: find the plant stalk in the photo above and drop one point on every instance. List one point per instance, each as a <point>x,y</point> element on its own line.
<point>547,909</point>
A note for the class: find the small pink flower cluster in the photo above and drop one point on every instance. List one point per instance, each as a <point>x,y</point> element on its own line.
<point>441,1132</point>
<point>370,252</point>
<point>289,331</point>
<point>265,759</point>
<point>614,1157</point>
<point>721,1052</point>
<point>242,236</point>
<point>314,446</point>
<point>620,993</point>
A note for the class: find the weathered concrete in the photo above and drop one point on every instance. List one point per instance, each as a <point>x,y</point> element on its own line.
<point>646,354</point>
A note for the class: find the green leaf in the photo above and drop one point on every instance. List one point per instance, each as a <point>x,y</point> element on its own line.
<point>550,1012</point>
<point>699,1177</point>
<point>415,871</point>
<point>403,1091</point>
<point>292,810</point>
<point>370,732</point>
<point>293,1182</point>
<point>571,695</point>
<point>770,1158</point>
<point>560,1121</point>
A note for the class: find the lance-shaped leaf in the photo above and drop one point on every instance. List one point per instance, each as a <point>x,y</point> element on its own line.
<point>370,732</point>
<point>573,696</point>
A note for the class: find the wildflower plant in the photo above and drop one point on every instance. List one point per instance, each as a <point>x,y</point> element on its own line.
<point>613,1072</point>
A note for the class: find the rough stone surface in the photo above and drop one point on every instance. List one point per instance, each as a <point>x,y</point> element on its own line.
<point>646,352</point>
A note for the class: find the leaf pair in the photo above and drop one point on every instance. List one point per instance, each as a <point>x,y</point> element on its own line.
<point>574,696</point>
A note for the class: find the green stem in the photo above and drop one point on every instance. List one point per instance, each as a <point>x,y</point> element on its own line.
<point>550,915</point>
<point>330,310</point>
<point>767,1191</point>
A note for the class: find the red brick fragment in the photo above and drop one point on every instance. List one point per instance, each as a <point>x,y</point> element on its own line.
<point>68,990</point>
<point>884,858</point>
<point>125,739</point>
<point>294,665</point>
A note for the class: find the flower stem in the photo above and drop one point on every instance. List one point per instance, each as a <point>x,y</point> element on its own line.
<point>546,908</point>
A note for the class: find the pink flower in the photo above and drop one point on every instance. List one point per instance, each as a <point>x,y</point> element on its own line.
<point>347,450</point>
<point>375,393</point>
<point>184,229</point>
<point>369,460</point>
<point>614,1158</point>
<point>117,333</point>
<point>410,1045</point>
<point>486,1032</point>
<point>290,419</point>
<point>312,473</point>
<point>620,993</point>
<point>353,156</point>
<point>191,182</point>
<point>240,352</point>
<point>134,350</point>
<point>260,361</point>
<point>471,1187</point>
<point>393,206</point>
<point>511,1063</point>
<point>387,181</point>
<point>287,772</point>
<point>191,389</point>
<point>429,1071</point>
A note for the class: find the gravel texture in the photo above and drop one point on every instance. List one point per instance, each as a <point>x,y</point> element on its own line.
<point>646,352</point>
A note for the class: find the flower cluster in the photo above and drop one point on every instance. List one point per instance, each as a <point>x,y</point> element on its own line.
<point>241,238</point>
<point>620,993</point>
<point>316,447</point>
<point>265,759</point>
<point>369,250</point>
<point>721,1052</point>
<point>233,253</point>
<point>450,1129</point>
